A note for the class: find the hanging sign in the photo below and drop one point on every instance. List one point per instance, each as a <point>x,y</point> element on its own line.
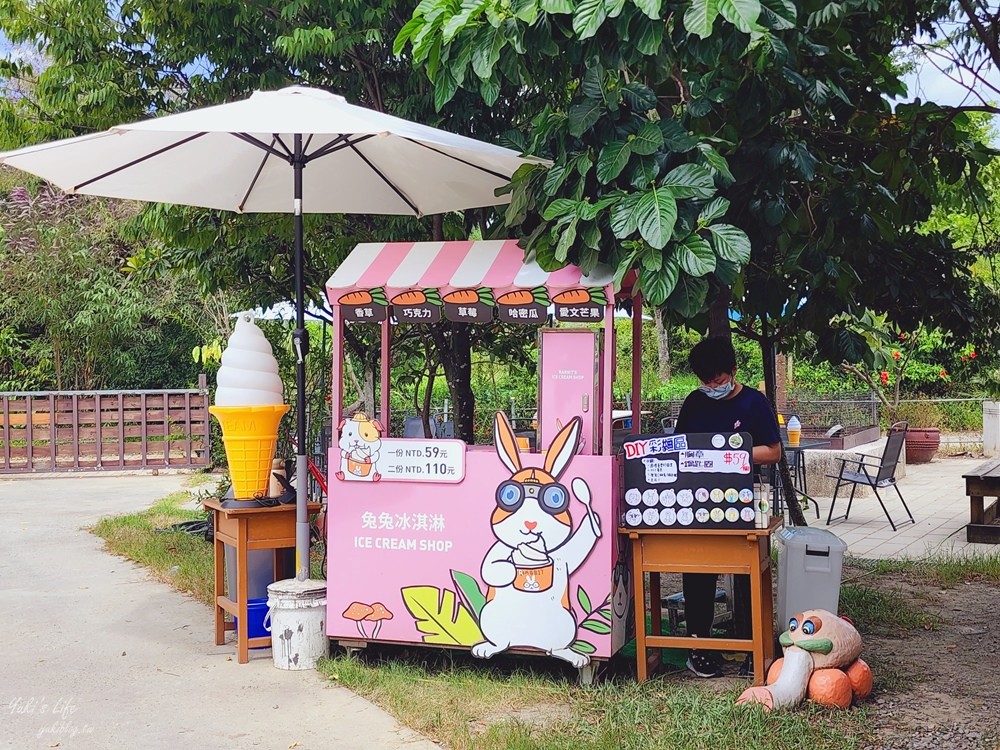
<point>469,305</point>
<point>580,304</point>
<point>524,306</point>
<point>364,306</point>
<point>695,481</point>
<point>417,306</point>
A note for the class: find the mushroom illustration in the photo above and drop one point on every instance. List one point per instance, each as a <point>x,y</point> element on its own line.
<point>358,612</point>
<point>377,614</point>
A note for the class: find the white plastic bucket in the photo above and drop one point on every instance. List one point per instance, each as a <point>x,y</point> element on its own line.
<point>296,617</point>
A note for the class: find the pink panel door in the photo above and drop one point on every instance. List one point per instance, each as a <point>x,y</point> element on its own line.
<point>568,383</point>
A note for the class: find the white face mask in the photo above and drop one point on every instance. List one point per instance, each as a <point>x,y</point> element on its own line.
<point>718,392</point>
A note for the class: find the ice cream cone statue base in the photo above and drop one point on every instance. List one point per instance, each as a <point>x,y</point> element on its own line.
<point>250,434</point>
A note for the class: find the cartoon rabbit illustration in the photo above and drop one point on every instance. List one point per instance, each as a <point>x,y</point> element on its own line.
<point>528,568</point>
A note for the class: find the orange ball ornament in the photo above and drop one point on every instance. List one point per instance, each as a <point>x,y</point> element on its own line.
<point>860,675</point>
<point>775,671</point>
<point>830,687</point>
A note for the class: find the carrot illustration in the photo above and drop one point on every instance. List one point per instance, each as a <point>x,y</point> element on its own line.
<point>537,296</point>
<point>361,297</point>
<point>356,298</point>
<point>417,297</point>
<point>470,296</point>
<point>581,297</point>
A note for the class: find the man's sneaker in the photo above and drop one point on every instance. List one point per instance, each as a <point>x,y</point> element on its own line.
<point>704,663</point>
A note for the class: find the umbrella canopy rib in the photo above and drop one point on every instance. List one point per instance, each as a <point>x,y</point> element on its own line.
<point>337,144</point>
<point>253,182</point>
<point>140,160</point>
<point>461,161</point>
<point>284,155</point>
<point>387,181</point>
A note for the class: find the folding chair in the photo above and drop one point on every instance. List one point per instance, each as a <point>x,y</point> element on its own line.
<point>874,474</point>
<point>668,425</point>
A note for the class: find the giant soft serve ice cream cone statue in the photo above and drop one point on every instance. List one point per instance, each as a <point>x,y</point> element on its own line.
<point>249,404</point>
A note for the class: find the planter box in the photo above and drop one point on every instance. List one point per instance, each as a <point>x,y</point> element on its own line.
<point>850,438</point>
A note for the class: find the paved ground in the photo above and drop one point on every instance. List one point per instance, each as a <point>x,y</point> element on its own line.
<point>97,655</point>
<point>935,494</point>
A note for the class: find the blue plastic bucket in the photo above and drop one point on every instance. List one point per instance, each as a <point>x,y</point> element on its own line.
<point>256,611</point>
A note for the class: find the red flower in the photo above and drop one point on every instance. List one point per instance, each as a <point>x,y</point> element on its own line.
<point>884,377</point>
<point>902,337</point>
<point>972,355</point>
<point>896,355</point>
<point>944,373</point>
<point>965,358</point>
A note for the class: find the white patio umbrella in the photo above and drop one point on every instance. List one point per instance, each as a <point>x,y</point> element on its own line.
<point>250,156</point>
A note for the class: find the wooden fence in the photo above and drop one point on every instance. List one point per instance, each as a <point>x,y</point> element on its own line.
<point>110,430</point>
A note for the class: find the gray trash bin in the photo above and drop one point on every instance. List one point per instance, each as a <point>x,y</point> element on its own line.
<point>810,562</point>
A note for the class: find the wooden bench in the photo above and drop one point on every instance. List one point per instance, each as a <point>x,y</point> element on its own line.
<point>981,483</point>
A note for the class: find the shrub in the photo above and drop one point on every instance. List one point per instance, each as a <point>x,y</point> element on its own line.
<point>920,413</point>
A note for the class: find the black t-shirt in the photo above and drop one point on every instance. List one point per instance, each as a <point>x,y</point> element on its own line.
<point>747,411</point>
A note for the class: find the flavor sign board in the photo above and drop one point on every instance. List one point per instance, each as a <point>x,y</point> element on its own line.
<point>694,481</point>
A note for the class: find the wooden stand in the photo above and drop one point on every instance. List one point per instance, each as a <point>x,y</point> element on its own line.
<point>245,529</point>
<point>981,483</point>
<point>743,552</point>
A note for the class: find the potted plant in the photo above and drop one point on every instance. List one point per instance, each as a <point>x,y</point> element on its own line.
<point>923,437</point>
<point>890,357</point>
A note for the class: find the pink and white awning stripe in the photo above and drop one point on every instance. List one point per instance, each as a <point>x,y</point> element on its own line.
<point>447,266</point>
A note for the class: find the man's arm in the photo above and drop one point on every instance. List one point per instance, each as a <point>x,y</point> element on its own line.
<point>767,454</point>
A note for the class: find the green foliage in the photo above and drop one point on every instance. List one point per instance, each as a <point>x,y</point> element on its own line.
<point>920,414</point>
<point>72,319</point>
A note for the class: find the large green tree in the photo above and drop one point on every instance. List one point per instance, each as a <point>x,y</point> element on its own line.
<point>105,63</point>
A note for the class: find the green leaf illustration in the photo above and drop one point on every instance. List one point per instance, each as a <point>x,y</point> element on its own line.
<point>469,591</point>
<point>583,647</point>
<point>596,626</point>
<point>440,616</point>
<point>581,596</point>
<point>605,613</point>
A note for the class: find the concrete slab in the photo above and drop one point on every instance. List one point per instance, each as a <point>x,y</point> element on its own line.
<point>98,655</point>
<point>935,494</point>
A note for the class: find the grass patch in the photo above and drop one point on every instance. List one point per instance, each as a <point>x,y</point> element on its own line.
<point>467,704</point>
<point>185,562</point>
<point>943,570</point>
<point>876,611</point>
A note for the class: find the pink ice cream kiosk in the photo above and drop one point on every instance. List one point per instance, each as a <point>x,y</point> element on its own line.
<point>490,548</point>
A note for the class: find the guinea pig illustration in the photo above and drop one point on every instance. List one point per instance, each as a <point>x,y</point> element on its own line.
<point>360,442</point>
<point>528,568</point>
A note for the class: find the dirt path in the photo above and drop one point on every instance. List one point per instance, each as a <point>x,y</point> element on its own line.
<point>941,684</point>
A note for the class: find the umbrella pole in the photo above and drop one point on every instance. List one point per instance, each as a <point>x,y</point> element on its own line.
<point>301,339</point>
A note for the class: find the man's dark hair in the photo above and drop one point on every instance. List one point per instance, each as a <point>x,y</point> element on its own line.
<point>712,357</point>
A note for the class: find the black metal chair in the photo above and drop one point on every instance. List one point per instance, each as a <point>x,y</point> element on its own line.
<point>873,473</point>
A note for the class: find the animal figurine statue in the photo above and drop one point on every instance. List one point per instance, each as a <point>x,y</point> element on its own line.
<point>360,442</point>
<point>820,662</point>
<point>528,568</point>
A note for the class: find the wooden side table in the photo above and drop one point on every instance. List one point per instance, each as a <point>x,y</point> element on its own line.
<point>246,529</point>
<point>743,552</point>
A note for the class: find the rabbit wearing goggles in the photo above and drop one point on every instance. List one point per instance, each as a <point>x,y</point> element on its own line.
<point>527,570</point>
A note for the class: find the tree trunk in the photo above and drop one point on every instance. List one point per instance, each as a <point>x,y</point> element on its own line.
<point>454,347</point>
<point>767,350</point>
<point>781,383</point>
<point>662,343</point>
<point>718,314</point>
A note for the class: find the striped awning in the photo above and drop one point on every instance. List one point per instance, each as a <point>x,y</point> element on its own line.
<point>448,266</point>
<point>467,282</point>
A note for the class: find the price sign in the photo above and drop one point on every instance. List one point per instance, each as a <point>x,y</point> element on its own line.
<point>422,460</point>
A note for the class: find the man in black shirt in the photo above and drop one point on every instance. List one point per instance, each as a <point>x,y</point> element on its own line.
<point>721,404</point>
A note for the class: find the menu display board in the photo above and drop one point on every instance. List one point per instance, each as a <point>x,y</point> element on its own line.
<point>695,480</point>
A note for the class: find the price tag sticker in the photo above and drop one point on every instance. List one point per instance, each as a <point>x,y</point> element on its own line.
<point>408,460</point>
